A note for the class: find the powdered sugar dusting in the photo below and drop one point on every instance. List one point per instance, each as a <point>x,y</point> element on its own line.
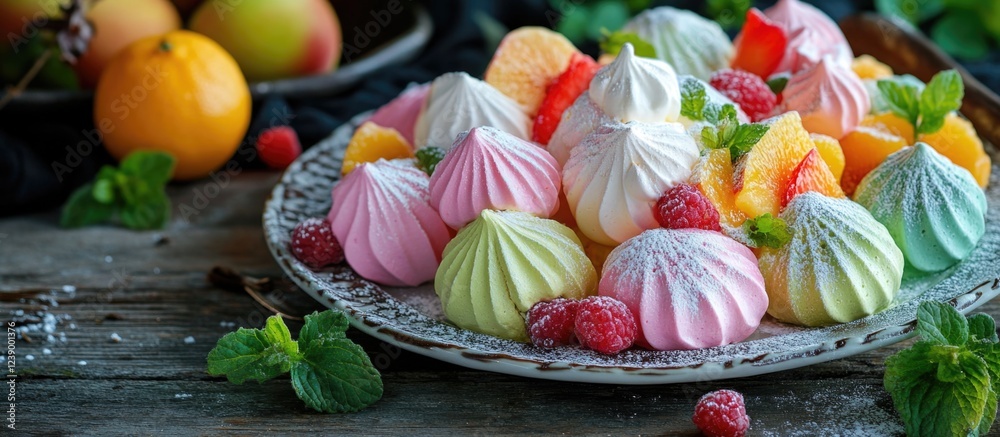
<point>304,192</point>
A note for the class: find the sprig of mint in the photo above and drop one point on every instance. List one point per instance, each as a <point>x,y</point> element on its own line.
<point>428,159</point>
<point>726,131</point>
<point>135,191</point>
<point>925,110</point>
<point>330,373</point>
<point>946,383</point>
<point>612,43</point>
<point>729,133</point>
<point>767,230</point>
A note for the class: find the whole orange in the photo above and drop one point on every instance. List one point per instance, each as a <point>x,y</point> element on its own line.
<point>178,93</point>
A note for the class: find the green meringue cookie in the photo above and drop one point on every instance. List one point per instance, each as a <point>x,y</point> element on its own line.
<point>502,264</point>
<point>690,43</point>
<point>840,265</point>
<point>934,209</point>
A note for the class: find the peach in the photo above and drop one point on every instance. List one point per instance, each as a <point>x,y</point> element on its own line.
<point>273,39</point>
<point>118,23</point>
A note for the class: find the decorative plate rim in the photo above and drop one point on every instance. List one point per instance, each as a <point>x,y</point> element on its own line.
<point>375,312</point>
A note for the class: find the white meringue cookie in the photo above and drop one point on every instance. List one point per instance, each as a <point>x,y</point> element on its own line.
<point>632,88</point>
<point>578,121</point>
<point>617,173</point>
<point>688,42</point>
<point>458,102</point>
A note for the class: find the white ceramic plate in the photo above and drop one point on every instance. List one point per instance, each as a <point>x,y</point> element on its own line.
<point>411,318</point>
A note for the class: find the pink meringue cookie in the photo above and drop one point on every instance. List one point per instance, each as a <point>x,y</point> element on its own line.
<point>402,112</point>
<point>812,35</point>
<point>488,168</point>
<point>831,99</point>
<point>382,217</point>
<point>687,288</point>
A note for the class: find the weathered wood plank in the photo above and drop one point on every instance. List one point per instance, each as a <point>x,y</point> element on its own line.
<point>448,403</point>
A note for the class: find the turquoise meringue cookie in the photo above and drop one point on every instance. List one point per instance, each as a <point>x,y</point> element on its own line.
<point>934,210</point>
<point>691,44</point>
<point>840,265</point>
<point>505,262</point>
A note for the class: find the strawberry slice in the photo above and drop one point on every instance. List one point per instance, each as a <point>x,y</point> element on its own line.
<point>812,174</point>
<point>760,46</point>
<point>561,94</point>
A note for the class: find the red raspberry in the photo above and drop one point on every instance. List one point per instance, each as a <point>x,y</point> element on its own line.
<point>550,323</point>
<point>683,206</point>
<point>721,413</point>
<point>278,146</point>
<point>313,243</point>
<point>747,90</point>
<point>605,325</point>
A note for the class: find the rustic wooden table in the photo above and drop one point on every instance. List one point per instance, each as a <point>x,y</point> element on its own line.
<point>90,287</point>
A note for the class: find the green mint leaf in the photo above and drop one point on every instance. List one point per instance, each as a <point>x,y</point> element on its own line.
<point>428,159</point>
<point>730,14</point>
<point>254,354</point>
<point>942,95</point>
<point>942,324</point>
<point>766,230</point>
<point>693,99</point>
<point>957,33</point>
<point>710,137</point>
<point>336,376</point>
<point>989,412</point>
<point>778,83</point>
<point>82,209</point>
<point>982,327</point>
<point>320,327</point>
<point>104,191</point>
<point>573,18</point>
<point>745,137</point>
<point>153,212</point>
<point>607,14</point>
<point>932,407</point>
<point>903,99</point>
<point>153,167</point>
<point>612,43</point>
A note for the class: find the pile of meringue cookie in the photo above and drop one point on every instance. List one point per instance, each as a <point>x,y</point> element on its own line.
<point>508,219</point>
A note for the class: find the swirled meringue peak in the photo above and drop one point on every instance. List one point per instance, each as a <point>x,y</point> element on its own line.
<point>491,169</point>
<point>578,121</point>
<point>402,112</point>
<point>812,35</point>
<point>934,210</point>
<point>840,265</point>
<point>458,102</point>
<point>382,217</point>
<point>831,99</point>
<point>691,44</point>
<point>502,264</point>
<point>687,288</point>
<point>617,173</point>
<point>632,88</point>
